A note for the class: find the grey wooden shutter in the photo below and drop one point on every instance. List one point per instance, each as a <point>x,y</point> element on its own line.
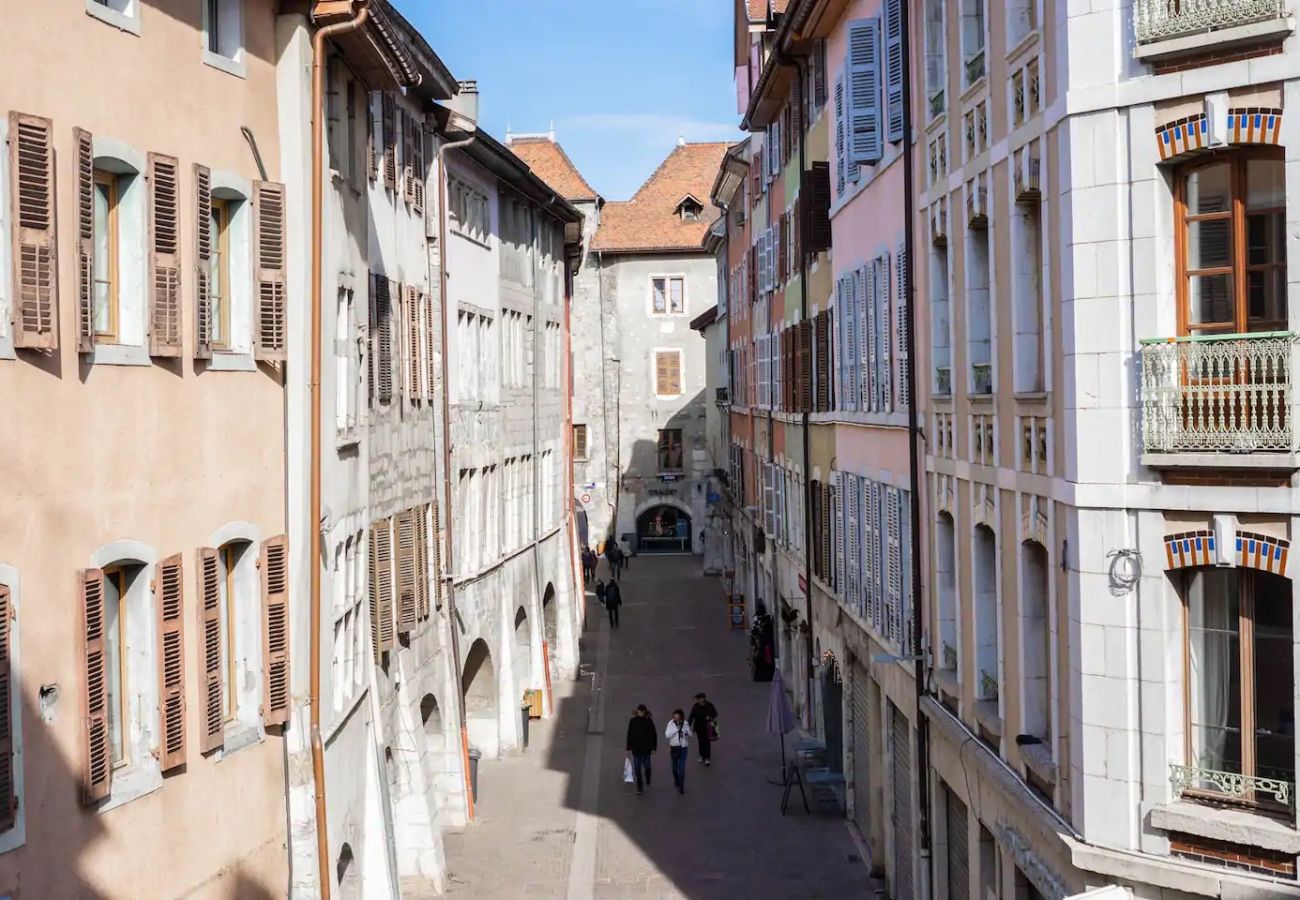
<point>169,600</point>
<point>85,239</point>
<point>164,256</point>
<point>902,795</point>
<point>871,400</point>
<point>864,133</point>
<point>894,70</point>
<point>203,238</point>
<point>271,274</point>
<point>900,329</point>
<point>862,758</point>
<point>35,247</point>
<point>884,300</point>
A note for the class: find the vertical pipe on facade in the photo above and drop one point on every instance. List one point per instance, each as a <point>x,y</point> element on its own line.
<point>534,242</point>
<point>913,455</point>
<point>449,513</point>
<point>313,386</point>
<point>570,520</point>
<point>804,416</point>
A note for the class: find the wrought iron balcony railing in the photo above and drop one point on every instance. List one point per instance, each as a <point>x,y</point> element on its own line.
<point>1160,20</point>
<point>1183,779</point>
<point>1226,393</point>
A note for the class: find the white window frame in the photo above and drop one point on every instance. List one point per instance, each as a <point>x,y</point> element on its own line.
<point>247,727</point>
<point>132,346</point>
<point>232,63</point>
<point>15,836</point>
<point>654,372</point>
<point>121,14</point>
<point>236,192</point>
<point>668,295</point>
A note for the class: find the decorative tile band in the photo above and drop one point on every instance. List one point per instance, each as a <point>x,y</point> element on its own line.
<point>1254,125</point>
<point>1260,551</point>
<point>1182,135</point>
<point>1189,548</point>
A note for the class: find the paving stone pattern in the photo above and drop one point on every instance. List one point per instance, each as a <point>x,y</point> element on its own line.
<point>724,838</point>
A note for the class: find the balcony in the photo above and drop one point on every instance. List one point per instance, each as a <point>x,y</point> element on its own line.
<point>1222,401</point>
<point>1171,27</point>
<point>1193,780</point>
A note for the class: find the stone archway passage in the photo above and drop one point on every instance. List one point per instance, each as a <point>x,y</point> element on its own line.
<point>479,684</point>
<point>663,529</point>
<point>551,627</point>
<point>523,653</point>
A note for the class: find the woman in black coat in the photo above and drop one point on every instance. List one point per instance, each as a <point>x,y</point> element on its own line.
<point>642,740</point>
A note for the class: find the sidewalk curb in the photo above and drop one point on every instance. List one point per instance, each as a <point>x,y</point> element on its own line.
<point>582,865</point>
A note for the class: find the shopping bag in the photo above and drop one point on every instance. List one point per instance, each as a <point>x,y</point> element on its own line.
<point>628,777</point>
<point>712,730</point>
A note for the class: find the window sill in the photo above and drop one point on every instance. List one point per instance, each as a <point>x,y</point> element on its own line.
<point>1265,461</point>
<point>948,684</point>
<point>1038,760</point>
<point>986,713</point>
<point>223,361</point>
<point>230,66</point>
<point>132,783</point>
<point>120,21</point>
<point>346,439</point>
<point>238,736</point>
<point>1233,826</point>
<point>1020,46</point>
<point>119,355</point>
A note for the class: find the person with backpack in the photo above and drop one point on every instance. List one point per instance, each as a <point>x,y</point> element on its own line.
<point>642,740</point>
<point>613,600</point>
<point>703,721</point>
<point>678,732</point>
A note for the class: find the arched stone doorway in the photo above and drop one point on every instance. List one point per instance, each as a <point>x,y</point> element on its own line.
<point>479,684</point>
<point>664,529</point>
<point>523,654</point>
<point>551,628</point>
<point>348,873</point>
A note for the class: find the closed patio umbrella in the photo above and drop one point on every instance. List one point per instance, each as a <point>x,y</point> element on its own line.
<point>780,718</point>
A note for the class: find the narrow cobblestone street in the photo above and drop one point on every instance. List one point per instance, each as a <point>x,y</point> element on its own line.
<point>557,822</point>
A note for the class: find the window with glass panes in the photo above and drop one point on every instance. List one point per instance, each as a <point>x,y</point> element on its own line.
<point>670,449</point>
<point>668,295</point>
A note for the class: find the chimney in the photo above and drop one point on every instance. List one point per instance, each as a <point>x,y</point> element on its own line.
<point>464,107</point>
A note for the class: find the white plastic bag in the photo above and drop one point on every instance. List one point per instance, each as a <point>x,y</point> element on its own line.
<point>628,777</point>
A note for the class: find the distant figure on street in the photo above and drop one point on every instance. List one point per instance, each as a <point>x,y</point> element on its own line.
<point>624,553</point>
<point>588,564</point>
<point>600,591</point>
<point>678,732</point>
<point>613,600</point>
<point>642,740</point>
<point>703,719</point>
<point>614,557</point>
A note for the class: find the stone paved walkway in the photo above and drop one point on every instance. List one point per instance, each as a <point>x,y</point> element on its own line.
<point>542,832</point>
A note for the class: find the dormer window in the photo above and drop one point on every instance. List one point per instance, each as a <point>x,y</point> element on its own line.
<point>689,209</point>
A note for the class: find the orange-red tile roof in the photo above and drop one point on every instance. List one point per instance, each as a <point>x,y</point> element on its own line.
<point>550,163</point>
<point>650,222</point>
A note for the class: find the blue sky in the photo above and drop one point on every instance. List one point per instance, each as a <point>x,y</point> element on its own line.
<point>620,79</point>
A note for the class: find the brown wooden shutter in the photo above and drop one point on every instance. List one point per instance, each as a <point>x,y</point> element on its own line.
<point>169,602</point>
<point>212,685</point>
<point>428,336</point>
<point>381,587</point>
<point>815,192</point>
<point>384,337</point>
<point>413,339</point>
<point>97,764</point>
<point>270,325</point>
<point>422,561</point>
<point>408,158</point>
<point>164,256</point>
<point>407,602</point>
<point>805,353</point>
<point>203,237</point>
<point>668,373</point>
<point>828,560</point>
<point>390,140</point>
<point>781,262</point>
<point>417,164</point>
<point>796,234</point>
<point>817,561</point>
<point>437,555</point>
<point>372,158</point>
<point>35,258</point>
<point>8,795</point>
<point>275,630</point>
<point>85,239</point>
<point>823,351</point>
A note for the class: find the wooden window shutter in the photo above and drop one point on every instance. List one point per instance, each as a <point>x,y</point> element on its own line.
<point>408,159</point>
<point>372,158</point>
<point>271,341</point>
<point>35,259</point>
<point>85,239</point>
<point>421,514</point>
<point>8,795</point>
<point>417,163</point>
<point>823,356</point>
<point>806,365</point>
<point>815,196</point>
<point>389,108</point>
<point>203,238</point>
<point>275,630</point>
<point>825,537</point>
<point>413,339</point>
<point>381,587</point>
<point>900,327</point>
<point>169,602</point>
<point>384,336</point>
<point>819,73</point>
<point>893,70</point>
<point>668,373</point>
<point>164,256</point>
<point>212,685</point>
<point>819,566</point>
<point>797,234</point>
<point>430,365</point>
<point>864,132</point>
<point>97,768</point>
<point>407,602</point>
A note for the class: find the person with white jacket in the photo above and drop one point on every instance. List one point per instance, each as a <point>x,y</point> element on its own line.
<point>678,732</point>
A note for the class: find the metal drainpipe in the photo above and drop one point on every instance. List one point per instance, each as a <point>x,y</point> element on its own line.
<point>913,457</point>
<point>313,387</point>
<point>534,248</point>
<point>449,514</point>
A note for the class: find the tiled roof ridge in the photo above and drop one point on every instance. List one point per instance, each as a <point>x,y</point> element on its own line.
<point>667,159</point>
<point>581,188</point>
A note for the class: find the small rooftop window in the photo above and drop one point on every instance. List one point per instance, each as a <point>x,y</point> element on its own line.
<point>690,209</point>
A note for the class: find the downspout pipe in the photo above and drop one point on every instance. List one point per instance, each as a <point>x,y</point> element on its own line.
<point>448,509</point>
<point>914,460</point>
<point>313,386</point>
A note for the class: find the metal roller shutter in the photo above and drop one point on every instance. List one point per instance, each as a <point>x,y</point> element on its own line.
<point>958,848</point>
<point>902,792</point>
<point>861,750</point>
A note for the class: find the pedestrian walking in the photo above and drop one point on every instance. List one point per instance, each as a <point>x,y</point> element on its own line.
<point>613,556</point>
<point>613,600</point>
<point>704,722</point>
<point>642,740</point>
<point>600,591</point>
<point>587,567</point>
<point>624,554</point>
<point>678,732</point>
